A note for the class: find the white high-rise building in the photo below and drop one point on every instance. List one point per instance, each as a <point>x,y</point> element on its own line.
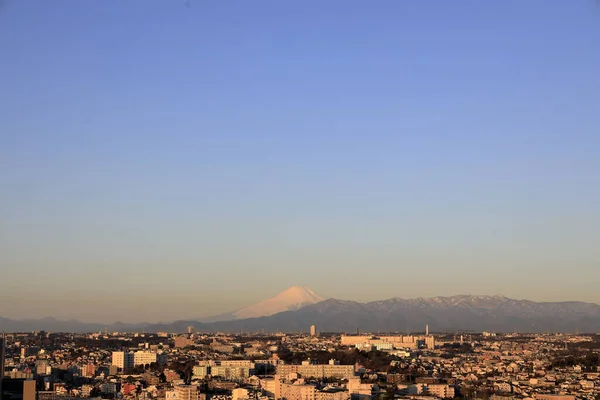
<point>122,359</point>
<point>144,357</point>
<point>313,330</point>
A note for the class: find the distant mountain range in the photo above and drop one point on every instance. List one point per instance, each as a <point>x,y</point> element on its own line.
<point>295,309</point>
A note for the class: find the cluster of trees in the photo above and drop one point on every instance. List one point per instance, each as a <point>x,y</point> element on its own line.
<point>454,349</point>
<point>589,362</point>
<point>248,339</point>
<point>184,368</point>
<point>104,344</point>
<point>152,367</point>
<point>458,347</point>
<point>593,345</point>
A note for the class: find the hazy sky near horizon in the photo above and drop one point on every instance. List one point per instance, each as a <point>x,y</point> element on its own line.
<point>162,161</point>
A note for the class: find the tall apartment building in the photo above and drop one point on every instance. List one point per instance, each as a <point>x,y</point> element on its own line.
<point>187,392</point>
<point>313,330</point>
<point>354,340</point>
<point>42,367</point>
<point>237,363</point>
<point>87,370</point>
<point>200,371</point>
<point>122,360</point>
<point>359,390</point>
<point>127,359</point>
<point>208,363</point>
<point>231,373</point>
<point>271,386</point>
<point>377,344</point>
<point>441,390</point>
<point>308,370</point>
<point>298,392</point>
<point>144,357</point>
<point>430,342</point>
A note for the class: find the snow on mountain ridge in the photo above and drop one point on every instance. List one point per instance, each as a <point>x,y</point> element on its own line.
<point>291,299</point>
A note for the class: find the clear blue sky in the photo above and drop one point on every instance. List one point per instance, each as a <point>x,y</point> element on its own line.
<point>160,161</point>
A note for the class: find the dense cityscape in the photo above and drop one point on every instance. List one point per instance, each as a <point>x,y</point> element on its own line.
<point>309,366</point>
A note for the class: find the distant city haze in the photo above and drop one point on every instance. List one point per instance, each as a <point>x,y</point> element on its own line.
<point>160,161</point>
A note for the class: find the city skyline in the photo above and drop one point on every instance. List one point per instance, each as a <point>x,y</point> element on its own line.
<point>192,160</point>
<point>297,366</point>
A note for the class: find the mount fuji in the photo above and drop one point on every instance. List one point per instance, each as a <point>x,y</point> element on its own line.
<point>298,307</point>
<point>291,299</point>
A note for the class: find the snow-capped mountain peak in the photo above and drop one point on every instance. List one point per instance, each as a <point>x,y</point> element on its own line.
<point>291,299</point>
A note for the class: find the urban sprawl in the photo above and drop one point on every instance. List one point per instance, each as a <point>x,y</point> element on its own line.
<point>309,366</point>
